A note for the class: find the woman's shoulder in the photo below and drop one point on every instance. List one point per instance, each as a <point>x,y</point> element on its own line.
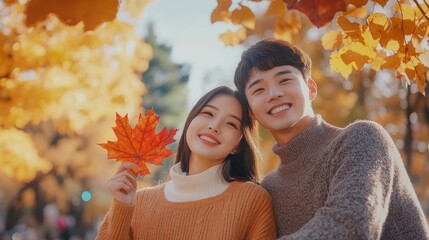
<point>251,188</point>
<point>150,192</point>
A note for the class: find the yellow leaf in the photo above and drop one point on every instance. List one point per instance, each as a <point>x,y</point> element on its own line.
<point>357,54</point>
<point>243,16</point>
<point>352,29</point>
<point>419,14</point>
<point>338,65</point>
<point>288,27</point>
<point>231,38</point>
<point>369,41</point>
<point>19,157</point>
<point>378,61</point>
<point>408,12</point>
<point>393,45</point>
<point>378,24</point>
<point>356,12</point>
<point>294,21</point>
<point>221,13</point>
<point>332,40</point>
<point>277,8</point>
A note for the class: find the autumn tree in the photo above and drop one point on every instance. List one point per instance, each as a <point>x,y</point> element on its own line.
<point>166,82</point>
<point>63,75</point>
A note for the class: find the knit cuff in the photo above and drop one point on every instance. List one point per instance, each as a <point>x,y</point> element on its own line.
<point>122,215</point>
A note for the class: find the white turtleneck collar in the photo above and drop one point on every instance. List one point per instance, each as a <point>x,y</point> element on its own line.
<point>184,188</point>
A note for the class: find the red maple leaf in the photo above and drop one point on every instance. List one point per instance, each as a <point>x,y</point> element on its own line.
<point>140,144</point>
<point>320,12</point>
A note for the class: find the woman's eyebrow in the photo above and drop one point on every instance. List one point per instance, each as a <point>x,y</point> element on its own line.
<point>231,115</point>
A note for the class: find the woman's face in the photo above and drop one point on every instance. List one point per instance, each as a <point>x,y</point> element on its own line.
<point>216,130</point>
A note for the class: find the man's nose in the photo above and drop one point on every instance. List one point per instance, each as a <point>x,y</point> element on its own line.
<point>274,93</point>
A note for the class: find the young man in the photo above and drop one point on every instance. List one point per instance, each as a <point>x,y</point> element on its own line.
<point>332,183</point>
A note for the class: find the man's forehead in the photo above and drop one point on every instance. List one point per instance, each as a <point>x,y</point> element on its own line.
<point>279,70</point>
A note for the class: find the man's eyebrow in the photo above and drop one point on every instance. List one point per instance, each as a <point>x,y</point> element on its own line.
<point>231,115</point>
<point>277,74</point>
<point>283,72</point>
<point>253,83</point>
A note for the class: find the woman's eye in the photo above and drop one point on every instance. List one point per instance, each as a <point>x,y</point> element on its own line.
<point>207,113</point>
<point>232,125</point>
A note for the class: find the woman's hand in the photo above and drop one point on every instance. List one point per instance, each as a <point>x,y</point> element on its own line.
<point>123,185</point>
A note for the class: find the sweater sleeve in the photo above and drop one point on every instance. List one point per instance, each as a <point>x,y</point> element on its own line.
<point>117,222</point>
<point>264,223</point>
<point>362,169</point>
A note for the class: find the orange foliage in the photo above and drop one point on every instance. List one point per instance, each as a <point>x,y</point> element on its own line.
<point>92,13</point>
<point>360,34</point>
<point>57,81</point>
<point>140,144</point>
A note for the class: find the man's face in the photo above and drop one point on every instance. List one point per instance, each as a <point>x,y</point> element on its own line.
<point>280,99</point>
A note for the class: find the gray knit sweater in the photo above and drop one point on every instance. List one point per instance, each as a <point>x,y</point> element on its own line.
<point>344,183</point>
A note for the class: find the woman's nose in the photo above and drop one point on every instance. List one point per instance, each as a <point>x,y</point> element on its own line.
<point>214,126</point>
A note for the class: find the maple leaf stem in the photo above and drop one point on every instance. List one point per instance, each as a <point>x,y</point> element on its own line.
<point>421,9</point>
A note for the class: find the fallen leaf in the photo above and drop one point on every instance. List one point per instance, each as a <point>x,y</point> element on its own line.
<point>140,144</point>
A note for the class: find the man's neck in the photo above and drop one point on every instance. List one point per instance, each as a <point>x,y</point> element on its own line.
<point>285,135</point>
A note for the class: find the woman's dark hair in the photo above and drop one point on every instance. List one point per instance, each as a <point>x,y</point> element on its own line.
<point>267,54</point>
<point>241,166</point>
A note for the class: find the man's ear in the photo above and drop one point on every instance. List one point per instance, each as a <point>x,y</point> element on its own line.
<point>312,87</point>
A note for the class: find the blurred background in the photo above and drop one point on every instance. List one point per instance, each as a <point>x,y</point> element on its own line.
<point>66,68</point>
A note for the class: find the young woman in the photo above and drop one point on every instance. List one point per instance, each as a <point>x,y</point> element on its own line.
<point>211,193</point>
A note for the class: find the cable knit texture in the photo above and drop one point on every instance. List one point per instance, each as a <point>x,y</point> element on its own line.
<point>242,211</point>
<point>344,183</point>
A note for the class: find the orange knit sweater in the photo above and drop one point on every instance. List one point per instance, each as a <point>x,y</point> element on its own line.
<point>243,211</point>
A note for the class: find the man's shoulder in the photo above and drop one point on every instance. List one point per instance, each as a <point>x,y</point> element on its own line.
<point>365,129</point>
<point>270,178</point>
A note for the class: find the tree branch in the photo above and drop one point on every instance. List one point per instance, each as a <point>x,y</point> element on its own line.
<point>421,9</point>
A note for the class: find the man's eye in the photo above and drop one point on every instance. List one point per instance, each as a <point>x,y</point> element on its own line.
<point>258,90</point>
<point>285,80</point>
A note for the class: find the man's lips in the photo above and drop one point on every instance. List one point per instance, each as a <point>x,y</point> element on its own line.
<point>208,138</point>
<point>279,108</point>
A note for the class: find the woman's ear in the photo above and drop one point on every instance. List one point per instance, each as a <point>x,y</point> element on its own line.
<point>252,116</point>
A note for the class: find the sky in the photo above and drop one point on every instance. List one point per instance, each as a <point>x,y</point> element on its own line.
<point>185,25</point>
